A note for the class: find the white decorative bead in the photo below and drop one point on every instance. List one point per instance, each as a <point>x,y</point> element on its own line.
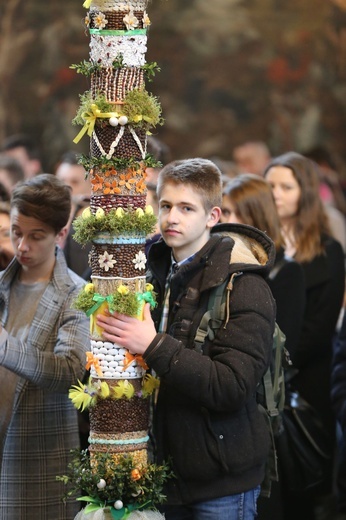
<point>114,121</point>
<point>101,484</point>
<point>118,504</point>
<point>123,120</point>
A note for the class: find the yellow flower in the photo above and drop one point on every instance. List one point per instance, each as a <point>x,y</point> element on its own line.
<point>149,210</point>
<point>119,212</point>
<point>80,396</point>
<point>123,290</point>
<point>89,288</point>
<point>100,213</point>
<point>123,389</point>
<point>149,385</point>
<point>149,287</point>
<point>103,389</point>
<point>86,213</point>
<point>139,212</point>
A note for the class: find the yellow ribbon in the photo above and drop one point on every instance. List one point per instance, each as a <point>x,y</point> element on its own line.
<point>139,118</point>
<point>94,328</point>
<point>90,120</point>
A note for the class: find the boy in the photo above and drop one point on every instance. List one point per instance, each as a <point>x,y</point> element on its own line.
<point>206,418</point>
<point>42,353</point>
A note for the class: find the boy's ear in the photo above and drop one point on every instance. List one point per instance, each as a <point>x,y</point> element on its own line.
<point>214,216</point>
<point>61,236</point>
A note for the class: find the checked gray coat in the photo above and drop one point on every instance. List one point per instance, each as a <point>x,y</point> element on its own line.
<point>43,426</point>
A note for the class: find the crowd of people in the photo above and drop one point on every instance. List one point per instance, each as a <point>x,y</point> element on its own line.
<point>284,249</point>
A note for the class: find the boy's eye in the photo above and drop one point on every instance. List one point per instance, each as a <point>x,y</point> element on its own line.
<point>225,212</point>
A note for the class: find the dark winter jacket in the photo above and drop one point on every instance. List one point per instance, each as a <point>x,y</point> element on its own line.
<point>325,282</point>
<point>207,417</point>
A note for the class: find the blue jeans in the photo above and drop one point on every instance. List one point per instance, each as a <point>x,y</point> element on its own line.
<point>233,507</point>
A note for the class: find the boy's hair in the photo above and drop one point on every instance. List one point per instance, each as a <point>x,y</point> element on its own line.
<point>45,198</point>
<point>201,174</point>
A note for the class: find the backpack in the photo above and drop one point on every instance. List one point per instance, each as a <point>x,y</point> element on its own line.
<point>270,392</point>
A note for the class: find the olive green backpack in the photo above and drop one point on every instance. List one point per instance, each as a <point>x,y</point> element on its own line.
<point>271,389</point>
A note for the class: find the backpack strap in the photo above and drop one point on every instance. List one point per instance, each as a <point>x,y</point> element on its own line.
<point>218,311</point>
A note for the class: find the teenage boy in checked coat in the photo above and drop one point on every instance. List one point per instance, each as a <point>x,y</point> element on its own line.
<point>206,417</point>
<point>43,342</point>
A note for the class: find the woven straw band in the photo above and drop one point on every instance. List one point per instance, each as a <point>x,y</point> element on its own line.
<point>114,84</point>
<point>115,20</point>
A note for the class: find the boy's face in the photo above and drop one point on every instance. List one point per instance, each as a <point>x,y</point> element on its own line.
<point>184,224</point>
<point>33,241</point>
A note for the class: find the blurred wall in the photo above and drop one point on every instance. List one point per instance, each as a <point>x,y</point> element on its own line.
<point>231,70</point>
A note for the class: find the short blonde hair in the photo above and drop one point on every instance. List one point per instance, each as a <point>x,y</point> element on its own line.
<point>201,174</point>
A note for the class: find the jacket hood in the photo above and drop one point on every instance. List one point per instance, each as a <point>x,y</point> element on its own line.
<point>231,248</point>
<point>251,248</point>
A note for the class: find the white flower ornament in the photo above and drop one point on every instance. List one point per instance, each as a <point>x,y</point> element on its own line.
<point>140,260</point>
<point>146,20</point>
<point>100,21</point>
<point>131,21</point>
<point>106,261</point>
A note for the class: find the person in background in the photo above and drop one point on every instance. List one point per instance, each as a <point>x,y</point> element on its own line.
<point>152,200</point>
<point>43,344</point>
<point>331,192</point>
<point>338,396</point>
<point>73,174</point>
<point>206,418</point>
<point>251,157</point>
<point>11,173</point>
<point>24,149</point>
<point>6,248</point>
<point>295,184</point>
<point>161,152</point>
<point>248,199</point>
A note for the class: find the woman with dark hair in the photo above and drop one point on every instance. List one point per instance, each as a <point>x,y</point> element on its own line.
<point>248,199</point>
<point>42,353</point>
<point>295,184</point>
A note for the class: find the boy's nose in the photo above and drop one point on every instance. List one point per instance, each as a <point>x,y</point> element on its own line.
<point>22,245</point>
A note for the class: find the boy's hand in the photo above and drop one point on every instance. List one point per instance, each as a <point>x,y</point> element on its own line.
<point>128,332</point>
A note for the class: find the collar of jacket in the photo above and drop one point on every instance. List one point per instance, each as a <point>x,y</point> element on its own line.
<point>232,247</point>
<point>60,278</point>
<point>252,247</point>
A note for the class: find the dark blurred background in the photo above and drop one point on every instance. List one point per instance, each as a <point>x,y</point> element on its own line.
<point>231,71</point>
